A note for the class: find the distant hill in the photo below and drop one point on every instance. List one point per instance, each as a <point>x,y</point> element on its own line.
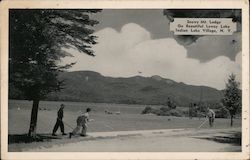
<point>90,86</point>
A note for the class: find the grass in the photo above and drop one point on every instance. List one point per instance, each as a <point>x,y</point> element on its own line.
<point>129,119</point>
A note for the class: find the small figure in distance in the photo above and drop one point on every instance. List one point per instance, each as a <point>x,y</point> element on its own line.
<point>211,116</point>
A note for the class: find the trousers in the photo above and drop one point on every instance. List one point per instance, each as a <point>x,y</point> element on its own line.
<point>78,127</point>
<point>59,123</point>
<point>211,121</point>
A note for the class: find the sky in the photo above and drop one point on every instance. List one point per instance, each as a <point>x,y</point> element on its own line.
<point>139,42</point>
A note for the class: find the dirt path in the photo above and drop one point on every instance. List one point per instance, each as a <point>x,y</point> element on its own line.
<point>168,140</point>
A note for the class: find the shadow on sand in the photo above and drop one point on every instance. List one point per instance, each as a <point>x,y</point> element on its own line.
<point>24,138</point>
<point>233,138</point>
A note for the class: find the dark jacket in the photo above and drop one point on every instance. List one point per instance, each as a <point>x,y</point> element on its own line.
<point>60,113</point>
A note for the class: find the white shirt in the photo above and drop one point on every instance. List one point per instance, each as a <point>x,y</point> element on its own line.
<point>211,113</point>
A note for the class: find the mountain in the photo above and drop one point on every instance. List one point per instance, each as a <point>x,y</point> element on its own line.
<point>90,86</point>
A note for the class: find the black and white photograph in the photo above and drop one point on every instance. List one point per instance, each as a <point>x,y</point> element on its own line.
<point>125,80</point>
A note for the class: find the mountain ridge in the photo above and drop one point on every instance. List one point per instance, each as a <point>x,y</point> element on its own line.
<point>89,86</point>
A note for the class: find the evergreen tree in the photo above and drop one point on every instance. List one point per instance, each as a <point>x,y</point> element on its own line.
<point>37,38</point>
<point>171,104</point>
<point>232,97</point>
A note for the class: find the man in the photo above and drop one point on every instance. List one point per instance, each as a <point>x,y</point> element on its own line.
<point>81,123</point>
<point>211,116</point>
<point>59,121</point>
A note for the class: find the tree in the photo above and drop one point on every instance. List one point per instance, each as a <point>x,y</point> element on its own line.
<point>37,39</point>
<point>232,97</point>
<point>171,104</point>
<point>222,112</point>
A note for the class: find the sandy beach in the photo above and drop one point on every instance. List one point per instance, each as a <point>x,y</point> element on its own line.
<point>165,140</point>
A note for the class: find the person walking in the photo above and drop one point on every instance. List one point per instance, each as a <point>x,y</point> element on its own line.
<point>211,116</point>
<point>81,123</point>
<point>59,121</point>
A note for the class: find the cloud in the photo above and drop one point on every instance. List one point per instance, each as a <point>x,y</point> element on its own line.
<point>151,19</point>
<point>219,45</point>
<point>130,51</point>
<point>216,46</point>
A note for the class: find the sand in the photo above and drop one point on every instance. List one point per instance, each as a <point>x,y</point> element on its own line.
<point>167,140</point>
